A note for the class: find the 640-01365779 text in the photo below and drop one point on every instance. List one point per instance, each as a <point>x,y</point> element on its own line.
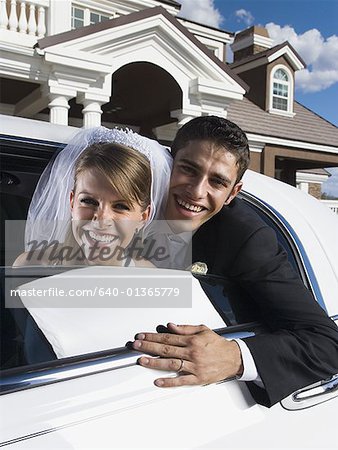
<point>98,291</point>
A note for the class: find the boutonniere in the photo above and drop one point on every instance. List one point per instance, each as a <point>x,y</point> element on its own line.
<point>199,267</point>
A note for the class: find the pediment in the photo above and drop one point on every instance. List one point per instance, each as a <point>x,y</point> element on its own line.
<point>262,58</point>
<point>151,35</point>
<point>290,55</point>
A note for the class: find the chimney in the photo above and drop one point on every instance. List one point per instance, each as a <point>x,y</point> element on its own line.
<point>251,41</point>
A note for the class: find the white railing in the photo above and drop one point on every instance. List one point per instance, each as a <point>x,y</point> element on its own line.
<point>332,204</point>
<point>24,17</point>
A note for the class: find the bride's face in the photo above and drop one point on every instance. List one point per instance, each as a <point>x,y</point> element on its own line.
<point>103,223</point>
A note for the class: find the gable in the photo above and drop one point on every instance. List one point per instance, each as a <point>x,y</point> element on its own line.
<point>151,35</point>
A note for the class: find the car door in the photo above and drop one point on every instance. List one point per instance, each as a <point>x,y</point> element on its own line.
<point>95,397</point>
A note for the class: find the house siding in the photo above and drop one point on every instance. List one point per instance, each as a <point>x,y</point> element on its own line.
<point>255,78</point>
<point>255,161</point>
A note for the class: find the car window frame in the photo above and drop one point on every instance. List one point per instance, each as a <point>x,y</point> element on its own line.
<point>296,248</point>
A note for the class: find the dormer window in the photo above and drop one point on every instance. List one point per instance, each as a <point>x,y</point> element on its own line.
<point>281,91</point>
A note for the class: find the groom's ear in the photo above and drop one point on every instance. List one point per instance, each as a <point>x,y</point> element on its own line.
<point>71,199</point>
<point>234,192</point>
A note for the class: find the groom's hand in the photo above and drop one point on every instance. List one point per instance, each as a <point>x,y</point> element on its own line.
<point>199,355</point>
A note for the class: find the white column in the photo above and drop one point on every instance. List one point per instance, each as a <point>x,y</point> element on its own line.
<point>23,24</point>
<point>59,16</point>
<point>304,186</point>
<point>58,109</point>
<point>91,113</point>
<point>182,117</point>
<point>92,102</point>
<point>3,15</point>
<point>41,22</point>
<point>32,20</point>
<point>13,17</point>
<point>86,16</point>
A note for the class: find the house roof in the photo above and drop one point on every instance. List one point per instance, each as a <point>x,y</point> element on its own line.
<point>209,27</point>
<point>265,54</point>
<point>316,171</point>
<point>305,126</point>
<point>171,2</point>
<point>134,17</point>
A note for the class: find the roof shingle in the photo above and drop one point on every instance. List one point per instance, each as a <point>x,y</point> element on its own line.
<point>305,126</point>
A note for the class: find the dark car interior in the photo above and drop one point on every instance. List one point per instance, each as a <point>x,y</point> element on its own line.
<point>22,162</point>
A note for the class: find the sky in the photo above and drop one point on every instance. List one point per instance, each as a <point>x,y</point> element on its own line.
<point>311,27</point>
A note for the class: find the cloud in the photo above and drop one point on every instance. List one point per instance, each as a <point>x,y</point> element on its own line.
<point>244,16</point>
<point>331,185</point>
<point>202,11</point>
<point>319,54</point>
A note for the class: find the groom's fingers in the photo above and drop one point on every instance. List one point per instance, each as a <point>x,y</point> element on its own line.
<point>167,364</point>
<point>186,329</point>
<point>164,350</point>
<point>162,338</point>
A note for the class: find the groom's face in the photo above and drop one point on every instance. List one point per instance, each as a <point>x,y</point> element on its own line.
<point>203,179</point>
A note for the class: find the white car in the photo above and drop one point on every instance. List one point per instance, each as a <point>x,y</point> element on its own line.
<point>69,382</point>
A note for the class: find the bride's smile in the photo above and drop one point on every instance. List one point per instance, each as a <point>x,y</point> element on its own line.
<point>101,217</point>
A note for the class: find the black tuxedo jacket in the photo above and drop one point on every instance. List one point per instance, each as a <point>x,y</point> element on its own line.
<point>301,344</point>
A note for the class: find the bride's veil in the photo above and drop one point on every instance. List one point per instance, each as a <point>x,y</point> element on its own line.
<point>49,213</point>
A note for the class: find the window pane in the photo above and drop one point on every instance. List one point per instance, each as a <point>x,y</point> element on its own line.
<point>77,17</point>
<point>78,13</point>
<point>280,89</point>
<point>281,75</point>
<point>94,18</point>
<point>280,103</point>
<point>78,23</point>
<point>103,18</point>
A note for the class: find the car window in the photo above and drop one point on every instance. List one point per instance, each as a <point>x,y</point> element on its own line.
<point>284,236</point>
<point>228,299</point>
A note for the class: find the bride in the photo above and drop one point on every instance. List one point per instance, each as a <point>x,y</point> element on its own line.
<point>101,192</point>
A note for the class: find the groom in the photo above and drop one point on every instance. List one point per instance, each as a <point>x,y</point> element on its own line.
<point>211,155</point>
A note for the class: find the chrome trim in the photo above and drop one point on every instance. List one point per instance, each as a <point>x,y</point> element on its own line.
<point>312,395</point>
<point>18,379</point>
<point>27,377</point>
<point>324,387</point>
<point>30,436</point>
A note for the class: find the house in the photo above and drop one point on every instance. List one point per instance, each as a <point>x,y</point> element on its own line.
<point>311,180</point>
<point>135,63</point>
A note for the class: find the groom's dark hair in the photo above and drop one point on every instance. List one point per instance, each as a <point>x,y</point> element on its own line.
<point>219,131</point>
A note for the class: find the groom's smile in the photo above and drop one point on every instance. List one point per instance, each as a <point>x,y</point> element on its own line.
<point>202,181</point>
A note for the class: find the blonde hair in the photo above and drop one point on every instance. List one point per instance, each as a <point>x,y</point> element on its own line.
<point>126,170</point>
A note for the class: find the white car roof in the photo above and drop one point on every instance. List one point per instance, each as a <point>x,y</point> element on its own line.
<point>33,129</point>
<point>315,227</point>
